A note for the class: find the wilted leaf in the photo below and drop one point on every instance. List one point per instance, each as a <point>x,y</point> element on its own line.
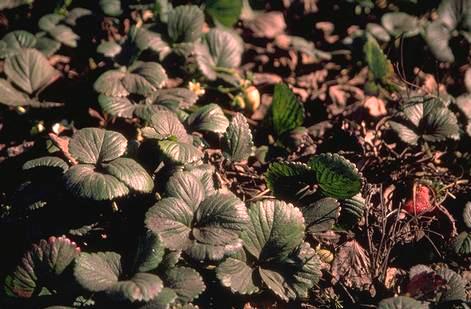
<point>462,244</point>
<point>208,118</point>
<point>351,265</point>
<point>30,70</point>
<point>237,142</point>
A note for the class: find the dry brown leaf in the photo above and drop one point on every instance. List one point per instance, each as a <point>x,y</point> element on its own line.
<point>267,25</point>
<point>327,28</point>
<point>266,79</point>
<point>376,107</point>
<point>340,94</point>
<point>351,266</point>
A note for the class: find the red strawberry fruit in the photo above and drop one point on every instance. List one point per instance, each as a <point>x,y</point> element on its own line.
<point>421,203</point>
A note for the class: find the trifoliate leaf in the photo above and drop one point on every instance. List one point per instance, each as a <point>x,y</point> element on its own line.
<point>462,244</point>
<point>237,142</point>
<point>10,96</point>
<point>144,77</point>
<point>399,23</point>
<point>187,187</point>
<point>287,111</point>
<point>289,180</point>
<point>225,12</point>
<point>111,7</point>
<point>47,161</point>
<point>401,302</point>
<point>93,145</point>
<point>425,118</point>
<point>467,215</point>
<point>109,49</point>
<point>220,50</point>
<point>274,230</point>
<point>208,118</point>
<point>321,215</point>
<point>82,180</point>
<point>130,173</point>
<point>206,231</point>
<point>30,70</point>
<point>337,177</point>
<point>186,282</point>
<point>40,266</point>
<point>185,23</point>
<point>116,106</point>
<point>455,286</point>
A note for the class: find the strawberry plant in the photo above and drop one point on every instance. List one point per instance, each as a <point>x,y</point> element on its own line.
<point>235,154</point>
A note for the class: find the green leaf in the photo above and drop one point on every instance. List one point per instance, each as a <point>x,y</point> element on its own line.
<point>399,23</point>
<point>146,111</point>
<point>321,215</point>
<point>289,180</point>
<point>467,215</point>
<point>47,161</point>
<point>237,275</point>
<point>93,145</point>
<point>131,173</point>
<point>98,272</point>
<point>141,287</point>
<point>82,180</point>
<point>111,7</point>
<point>150,252</point>
<point>47,46</point>
<point>165,124</point>
<point>226,12</point>
<point>354,206</point>
<point>208,118</point>
<point>75,14</point>
<point>277,283</point>
<point>287,111</point>
<point>65,35</point>
<point>187,187</point>
<point>204,173</point>
<point>186,282</point>
<point>19,39</point>
<point>116,106</point>
<point>30,70</point>
<point>401,302</point>
<point>180,153</point>
<point>49,21</point>
<point>109,48</point>
<point>378,64</point>
<point>109,83</point>
<point>11,4</point>
<point>462,244</point>
<point>206,232</point>
<point>173,98</point>
<point>146,39</point>
<point>238,142</point>
<point>171,220</point>
<point>220,49</point>
<point>185,23</point>
<point>337,177</point>
<point>144,77</point>
<point>455,289</point>
<point>437,37</point>
<point>425,118</point>
<point>274,230</point>
<point>40,266</point>
<point>162,300</point>
<point>378,32</point>
<point>10,96</point>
